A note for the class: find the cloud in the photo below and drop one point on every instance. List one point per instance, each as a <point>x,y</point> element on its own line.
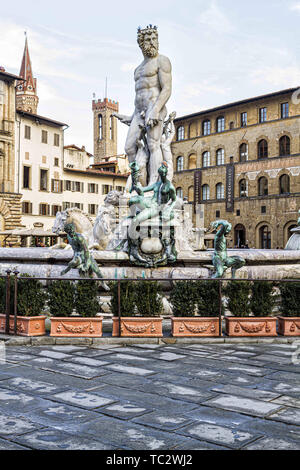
<point>283,77</point>
<point>215,19</point>
<point>128,67</point>
<point>295,7</point>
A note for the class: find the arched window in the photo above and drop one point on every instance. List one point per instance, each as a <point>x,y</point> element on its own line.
<point>221,124</point>
<point>205,192</point>
<point>179,193</point>
<point>263,186</point>
<point>265,238</point>
<point>262,149</point>
<point>284,146</point>
<point>243,188</point>
<point>206,127</point>
<point>111,128</point>
<point>284,184</point>
<point>191,194</point>
<point>180,133</point>
<point>243,153</point>
<point>179,164</point>
<point>220,191</point>
<point>100,123</point>
<point>220,157</point>
<point>206,159</point>
<point>192,162</point>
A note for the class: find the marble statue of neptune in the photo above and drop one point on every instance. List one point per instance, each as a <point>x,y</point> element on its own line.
<point>153,85</point>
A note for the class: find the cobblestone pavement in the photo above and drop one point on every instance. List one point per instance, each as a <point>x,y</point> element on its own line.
<point>146,396</point>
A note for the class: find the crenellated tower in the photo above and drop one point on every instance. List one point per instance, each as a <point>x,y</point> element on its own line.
<point>26,97</point>
<point>105,128</point>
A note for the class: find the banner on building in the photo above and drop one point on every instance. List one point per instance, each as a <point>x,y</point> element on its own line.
<point>197,188</point>
<point>230,188</point>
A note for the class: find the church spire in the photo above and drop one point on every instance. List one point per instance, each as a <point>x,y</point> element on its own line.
<point>27,99</point>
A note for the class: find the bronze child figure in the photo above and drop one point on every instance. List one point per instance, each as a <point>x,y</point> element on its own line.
<point>82,259</point>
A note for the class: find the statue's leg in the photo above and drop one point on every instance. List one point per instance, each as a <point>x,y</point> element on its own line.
<point>72,265</point>
<point>142,160</point>
<point>234,262</point>
<point>219,267</point>
<point>154,143</point>
<point>132,136</point>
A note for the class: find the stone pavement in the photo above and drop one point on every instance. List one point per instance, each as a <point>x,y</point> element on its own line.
<point>150,396</point>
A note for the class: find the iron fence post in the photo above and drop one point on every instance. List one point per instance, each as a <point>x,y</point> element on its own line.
<point>119,306</point>
<point>15,300</point>
<point>7,300</point>
<point>220,308</point>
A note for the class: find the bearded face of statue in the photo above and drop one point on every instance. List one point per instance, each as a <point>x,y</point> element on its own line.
<point>150,44</point>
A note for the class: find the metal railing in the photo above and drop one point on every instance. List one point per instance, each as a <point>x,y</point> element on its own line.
<point>9,280</point>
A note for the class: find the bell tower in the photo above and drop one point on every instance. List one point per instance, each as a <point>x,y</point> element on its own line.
<point>26,97</point>
<point>105,128</point>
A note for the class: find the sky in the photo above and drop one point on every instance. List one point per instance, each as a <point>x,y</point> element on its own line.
<point>221,51</point>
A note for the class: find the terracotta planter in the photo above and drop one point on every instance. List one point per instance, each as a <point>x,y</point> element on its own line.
<point>138,327</point>
<point>76,327</point>
<point>289,326</point>
<point>195,326</point>
<point>26,326</point>
<point>250,326</point>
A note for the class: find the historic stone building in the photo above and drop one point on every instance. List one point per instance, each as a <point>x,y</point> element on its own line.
<point>10,200</point>
<point>242,161</point>
<point>105,128</point>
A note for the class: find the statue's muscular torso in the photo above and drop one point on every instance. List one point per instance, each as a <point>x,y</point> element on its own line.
<point>147,82</point>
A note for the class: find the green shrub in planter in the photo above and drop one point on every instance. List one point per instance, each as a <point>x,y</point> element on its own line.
<point>31,296</point>
<point>207,298</point>
<point>262,299</point>
<point>127,300</point>
<point>86,299</point>
<point>238,294</point>
<point>290,299</point>
<point>148,298</point>
<point>61,298</point>
<point>183,299</point>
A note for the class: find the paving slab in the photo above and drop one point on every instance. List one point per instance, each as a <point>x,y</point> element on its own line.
<point>243,405</point>
<point>149,400</point>
<point>130,435</point>
<point>219,417</point>
<point>231,437</point>
<point>77,370</point>
<point>52,439</point>
<point>246,392</point>
<point>16,403</point>
<point>87,361</point>
<point>288,401</point>
<point>287,415</point>
<point>7,445</point>
<point>82,399</point>
<point>59,415</point>
<point>12,425</point>
<point>185,393</point>
<point>123,410</point>
<point>32,386</point>
<point>130,369</point>
<point>164,420</point>
<point>270,443</point>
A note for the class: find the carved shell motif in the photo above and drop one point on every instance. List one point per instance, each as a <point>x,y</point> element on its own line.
<point>140,328</point>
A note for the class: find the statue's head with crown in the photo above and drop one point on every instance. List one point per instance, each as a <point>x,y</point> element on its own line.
<point>147,39</point>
